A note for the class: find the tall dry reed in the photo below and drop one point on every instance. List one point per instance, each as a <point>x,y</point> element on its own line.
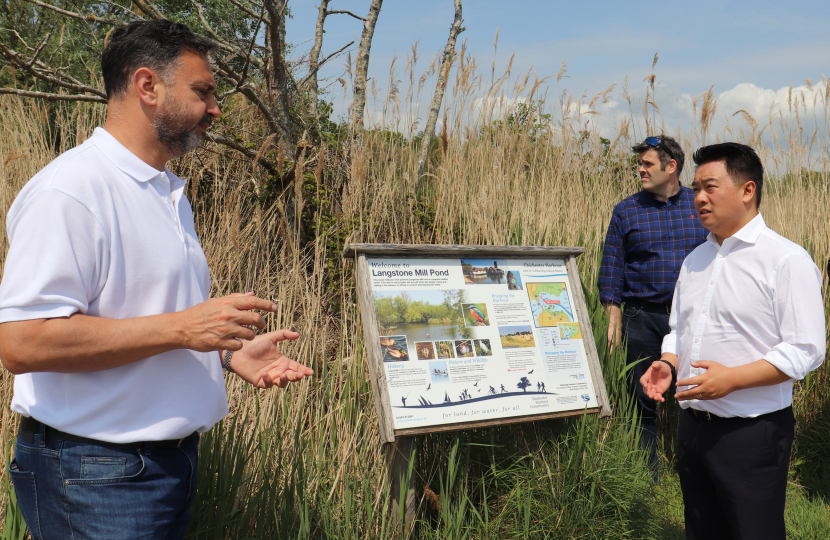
<point>538,180</point>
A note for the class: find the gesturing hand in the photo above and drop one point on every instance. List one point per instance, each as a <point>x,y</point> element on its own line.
<point>656,380</point>
<point>219,323</point>
<point>262,364</point>
<point>715,383</point>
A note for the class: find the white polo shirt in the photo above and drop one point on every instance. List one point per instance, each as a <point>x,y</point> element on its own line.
<point>757,296</point>
<point>100,232</point>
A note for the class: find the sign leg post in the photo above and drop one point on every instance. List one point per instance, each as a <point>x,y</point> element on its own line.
<point>400,460</point>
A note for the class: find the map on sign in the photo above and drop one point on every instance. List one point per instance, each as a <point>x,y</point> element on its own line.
<point>549,303</point>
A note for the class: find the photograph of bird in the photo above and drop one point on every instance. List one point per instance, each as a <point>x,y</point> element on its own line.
<point>477,315</point>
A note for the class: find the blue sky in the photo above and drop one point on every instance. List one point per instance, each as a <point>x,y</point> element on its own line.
<point>749,51</point>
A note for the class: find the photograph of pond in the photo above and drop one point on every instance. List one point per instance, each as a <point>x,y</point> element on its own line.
<point>464,348</point>
<point>394,348</point>
<point>483,347</point>
<point>422,315</point>
<point>425,350</point>
<point>444,349</point>
<point>482,272</point>
<point>516,336</point>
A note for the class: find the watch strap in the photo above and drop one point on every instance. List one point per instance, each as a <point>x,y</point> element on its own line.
<point>673,370</point>
<point>226,361</point>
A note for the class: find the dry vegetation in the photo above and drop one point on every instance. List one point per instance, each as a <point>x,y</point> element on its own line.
<point>488,184</point>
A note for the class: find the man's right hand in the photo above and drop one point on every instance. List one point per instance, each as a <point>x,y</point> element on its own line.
<point>656,380</point>
<point>614,325</point>
<point>219,323</point>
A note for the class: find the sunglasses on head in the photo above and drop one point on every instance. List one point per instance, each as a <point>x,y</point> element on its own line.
<point>657,142</point>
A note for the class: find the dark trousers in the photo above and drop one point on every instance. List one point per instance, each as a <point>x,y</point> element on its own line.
<point>644,328</point>
<point>733,473</point>
<point>87,491</point>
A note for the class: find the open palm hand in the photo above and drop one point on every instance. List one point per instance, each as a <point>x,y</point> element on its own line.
<point>261,363</point>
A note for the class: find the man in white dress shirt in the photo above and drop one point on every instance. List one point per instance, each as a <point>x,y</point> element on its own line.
<point>747,320</point>
<point>105,315</point>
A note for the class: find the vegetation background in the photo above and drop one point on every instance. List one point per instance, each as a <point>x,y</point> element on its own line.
<point>517,161</point>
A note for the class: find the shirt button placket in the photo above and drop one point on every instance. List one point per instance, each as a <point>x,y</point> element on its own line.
<point>704,311</point>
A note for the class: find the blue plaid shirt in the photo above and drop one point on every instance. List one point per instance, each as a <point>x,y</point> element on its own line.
<point>645,246</point>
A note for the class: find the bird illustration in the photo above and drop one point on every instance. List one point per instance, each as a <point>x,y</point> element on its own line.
<point>396,353</point>
<point>476,384</point>
<point>529,372</point>
<point>430,386</point>
<point>477,315</point>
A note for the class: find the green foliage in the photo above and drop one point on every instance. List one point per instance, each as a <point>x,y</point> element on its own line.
<point>527,119</point>
<point>402,309</point>
<point>14,526</point>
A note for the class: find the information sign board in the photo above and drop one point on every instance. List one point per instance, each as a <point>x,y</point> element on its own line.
<point>467,336</point>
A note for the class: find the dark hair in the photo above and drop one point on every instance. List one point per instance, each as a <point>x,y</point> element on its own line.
<point>154,44</point>
<point>668,149</point>
<point>742,164</point>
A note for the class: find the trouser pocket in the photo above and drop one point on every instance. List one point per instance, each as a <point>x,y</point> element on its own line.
<point>26,494</point>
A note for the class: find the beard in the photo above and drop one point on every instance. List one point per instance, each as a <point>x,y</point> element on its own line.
<point>175,129</point>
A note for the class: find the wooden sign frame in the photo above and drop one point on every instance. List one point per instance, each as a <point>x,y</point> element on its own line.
<point>383,405</point>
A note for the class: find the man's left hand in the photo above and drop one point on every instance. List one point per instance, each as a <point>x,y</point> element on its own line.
<point>717,382</point>
<point>261,363</point>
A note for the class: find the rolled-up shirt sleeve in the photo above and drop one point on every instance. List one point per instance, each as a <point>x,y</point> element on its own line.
<point>57,261</point>
<point>799,312</point>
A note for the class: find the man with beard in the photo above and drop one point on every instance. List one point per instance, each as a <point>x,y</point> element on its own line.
<point>105,315</point>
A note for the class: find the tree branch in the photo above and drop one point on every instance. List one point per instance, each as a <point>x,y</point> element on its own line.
<point>148,9</point>
<point>361,69</point>
<point>26,64</point>
<point>224,141</point>
<point>248,92</point>
<point>52,97</point>
<point>249,11</point>
<point>87,18</point>
<point>345,12</point>
<point>323,61</point>
<point>435,106</point>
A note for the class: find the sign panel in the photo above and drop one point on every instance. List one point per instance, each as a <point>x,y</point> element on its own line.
<point>466,336</point>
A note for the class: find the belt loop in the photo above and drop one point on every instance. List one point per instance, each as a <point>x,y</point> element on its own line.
<point>42,433</point>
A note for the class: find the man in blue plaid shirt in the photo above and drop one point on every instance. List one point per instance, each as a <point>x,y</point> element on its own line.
<point>649,236</point>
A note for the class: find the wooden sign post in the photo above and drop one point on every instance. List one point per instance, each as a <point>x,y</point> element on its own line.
<point>460,337</point>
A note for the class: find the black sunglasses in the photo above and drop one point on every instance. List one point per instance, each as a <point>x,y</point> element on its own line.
<point>657,142</point>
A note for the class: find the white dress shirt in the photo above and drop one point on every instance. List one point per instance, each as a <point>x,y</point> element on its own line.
<point>757,296</point>
<point>100,232</point>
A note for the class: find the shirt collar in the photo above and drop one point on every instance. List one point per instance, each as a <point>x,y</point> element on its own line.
<point>749,233</point>
<point>673,200</point>
<point>125,160</point>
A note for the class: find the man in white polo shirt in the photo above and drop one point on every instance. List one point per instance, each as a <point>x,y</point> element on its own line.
<point>746,321</point>
<point>105,315</point>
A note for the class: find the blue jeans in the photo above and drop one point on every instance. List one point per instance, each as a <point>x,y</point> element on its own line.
<point>644,331</point>
<point>73,491</point>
